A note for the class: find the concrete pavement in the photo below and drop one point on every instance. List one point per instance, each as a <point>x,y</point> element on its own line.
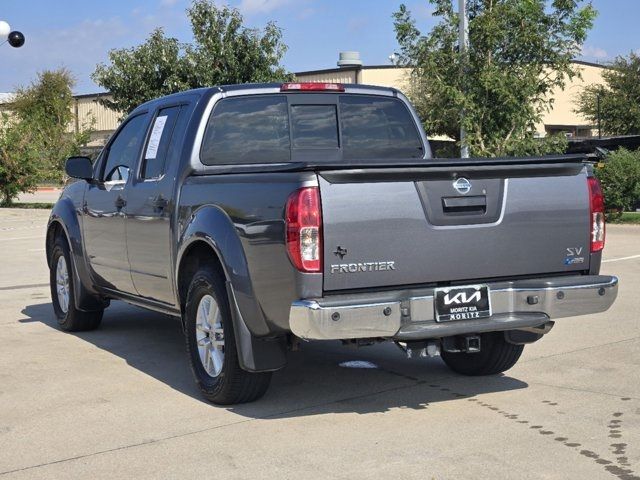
<point>120,402</point>
<point>45,195</point>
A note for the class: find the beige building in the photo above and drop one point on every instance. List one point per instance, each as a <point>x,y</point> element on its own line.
<point>561,119</point>
<point>87,108</point>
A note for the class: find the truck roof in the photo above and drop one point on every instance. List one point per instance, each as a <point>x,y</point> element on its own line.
<point>253,86</point>
<point>350,88</point>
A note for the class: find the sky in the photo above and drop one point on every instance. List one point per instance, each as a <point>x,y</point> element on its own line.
<point>77,34</point>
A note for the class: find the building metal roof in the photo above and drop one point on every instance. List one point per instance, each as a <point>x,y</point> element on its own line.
<point>384,67</point>
<point>6,97</point>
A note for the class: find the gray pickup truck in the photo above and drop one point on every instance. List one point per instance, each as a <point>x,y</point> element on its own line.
<point>264,214</point>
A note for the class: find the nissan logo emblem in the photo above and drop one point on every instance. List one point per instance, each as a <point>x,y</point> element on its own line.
<point>462,185</point>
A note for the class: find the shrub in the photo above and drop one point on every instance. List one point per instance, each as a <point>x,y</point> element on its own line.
<point>620,178</point>
<point>18,159</point>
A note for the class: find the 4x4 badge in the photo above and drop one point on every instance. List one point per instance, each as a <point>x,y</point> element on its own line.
<point>340,252</point>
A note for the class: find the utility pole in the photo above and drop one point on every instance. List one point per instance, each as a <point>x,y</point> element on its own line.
<point>598,108</point>
<point>463,31</point>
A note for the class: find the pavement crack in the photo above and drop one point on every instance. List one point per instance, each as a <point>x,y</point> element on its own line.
<point>124,447</point>
<point>577,350</point>
<point>582,390</point>
<point>230,424</point>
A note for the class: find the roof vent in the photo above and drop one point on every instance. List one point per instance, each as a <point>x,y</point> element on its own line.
<point>349,60</point>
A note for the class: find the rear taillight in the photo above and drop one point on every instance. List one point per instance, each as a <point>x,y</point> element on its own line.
<point>304,229</point>
<point>312,87</point>
<point>596,203</point>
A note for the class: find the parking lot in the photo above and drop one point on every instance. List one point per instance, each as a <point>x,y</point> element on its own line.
<point>120,401</point>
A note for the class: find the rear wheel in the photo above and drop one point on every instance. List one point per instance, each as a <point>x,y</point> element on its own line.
<point>496,355</point>
<point>211,344</point>
<point>62,296</point>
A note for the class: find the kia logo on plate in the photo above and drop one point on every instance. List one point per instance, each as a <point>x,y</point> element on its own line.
<point>462,185</point>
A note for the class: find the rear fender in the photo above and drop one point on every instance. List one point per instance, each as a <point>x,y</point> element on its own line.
<point>213,226</point>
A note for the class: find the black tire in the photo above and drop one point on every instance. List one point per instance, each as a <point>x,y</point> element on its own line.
<point>71,320</point>
<point>233,384</point>
<point>496,355</point>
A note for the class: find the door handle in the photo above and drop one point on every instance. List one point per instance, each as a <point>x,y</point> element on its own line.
<point>120,202</point>
<point>159,202</point>
<point>461,202</point>
<point>465,205</point>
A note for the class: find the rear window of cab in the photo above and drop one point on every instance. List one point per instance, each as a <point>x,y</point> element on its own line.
<point>268,128</point>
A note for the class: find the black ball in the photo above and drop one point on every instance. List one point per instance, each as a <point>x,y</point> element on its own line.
<point>16,39</point>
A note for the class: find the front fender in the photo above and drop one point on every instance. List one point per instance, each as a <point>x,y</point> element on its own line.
<point>65,214</point>
<point>212,225</point>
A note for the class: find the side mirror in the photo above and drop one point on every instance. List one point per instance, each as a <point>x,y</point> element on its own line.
<point>79,167</point>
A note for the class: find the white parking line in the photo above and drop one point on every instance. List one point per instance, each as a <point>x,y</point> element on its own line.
<point>621,258</point>
<point>24,227</point>
<point>20,238</point>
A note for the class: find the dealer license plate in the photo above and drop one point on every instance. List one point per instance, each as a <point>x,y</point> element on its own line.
<point>462,303</point>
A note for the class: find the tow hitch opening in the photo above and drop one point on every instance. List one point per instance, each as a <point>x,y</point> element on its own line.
<point>462,343</point>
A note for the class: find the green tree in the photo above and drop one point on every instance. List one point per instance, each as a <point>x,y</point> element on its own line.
<point>223,51</point>
<point>619,98</point>
<point>36,136</point>
<point>46,108</point>
<point>520,50</point>
<point>620,179</point>
<point>18,159</point>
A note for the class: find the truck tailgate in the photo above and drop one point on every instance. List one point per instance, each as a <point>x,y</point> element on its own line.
<point>391,227</point>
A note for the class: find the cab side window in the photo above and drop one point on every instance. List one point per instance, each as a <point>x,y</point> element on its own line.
<point>247,130</point>
<point>124,150</point>
<point>160,145</point>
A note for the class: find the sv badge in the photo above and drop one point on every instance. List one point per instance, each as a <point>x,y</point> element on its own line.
<point>573,256</point>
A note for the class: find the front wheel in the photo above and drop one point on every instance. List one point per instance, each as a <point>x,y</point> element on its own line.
<point>62,295</point>
<point>211,344</point>
<point>496,355</point>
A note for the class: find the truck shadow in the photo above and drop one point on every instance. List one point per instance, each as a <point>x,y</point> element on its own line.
<point>320,378</point>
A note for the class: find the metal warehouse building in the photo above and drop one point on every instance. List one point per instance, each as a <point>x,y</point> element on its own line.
<point>562,119</point>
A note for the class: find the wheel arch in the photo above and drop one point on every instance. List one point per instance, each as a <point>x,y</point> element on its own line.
<point>210,226</point>
<point>64,222</point>
<point>197,253</point>
<point>54,230</point>
<point>210,238</point>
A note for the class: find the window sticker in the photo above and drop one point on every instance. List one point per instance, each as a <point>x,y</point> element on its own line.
<point>154,139</point>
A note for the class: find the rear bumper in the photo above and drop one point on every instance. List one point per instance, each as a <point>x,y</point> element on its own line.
<point>409,314</point>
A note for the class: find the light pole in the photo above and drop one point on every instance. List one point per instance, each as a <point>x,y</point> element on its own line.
<point>598,95</point>
<point>463,32</point>
<point>14,38</point>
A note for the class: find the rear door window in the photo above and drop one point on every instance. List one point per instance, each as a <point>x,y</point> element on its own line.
<point>377,127</point>
<point>159,141</point>
<point>314,126</point>
<point>248,130</point>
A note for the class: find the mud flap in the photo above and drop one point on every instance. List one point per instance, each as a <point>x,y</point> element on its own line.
<point>85,301</point>
<point>255,354</point>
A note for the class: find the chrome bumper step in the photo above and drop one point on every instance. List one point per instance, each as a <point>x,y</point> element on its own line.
<point>409,315</point>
